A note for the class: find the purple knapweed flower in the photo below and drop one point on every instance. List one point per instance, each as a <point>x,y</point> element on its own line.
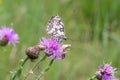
<point>105,73</point>
<point>8,36</point>
<point>53,48</point>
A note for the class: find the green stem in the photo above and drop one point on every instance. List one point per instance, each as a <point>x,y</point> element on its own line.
<point>17,73</point>
<point>45,70</point>
<point>36,65</point>
<point>92,78</point>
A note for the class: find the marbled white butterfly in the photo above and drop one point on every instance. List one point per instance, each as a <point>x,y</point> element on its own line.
<point>55,28</point>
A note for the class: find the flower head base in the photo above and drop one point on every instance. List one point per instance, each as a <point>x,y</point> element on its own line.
<point>105,73</point>
<point>33,52</point>
<point>8,36</point>
<point>53,48</point>
<point>3,41</point>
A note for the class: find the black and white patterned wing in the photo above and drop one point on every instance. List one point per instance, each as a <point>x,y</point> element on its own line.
<point>55,28</point>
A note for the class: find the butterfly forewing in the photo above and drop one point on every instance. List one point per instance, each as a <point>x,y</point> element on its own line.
<point>55,28</point>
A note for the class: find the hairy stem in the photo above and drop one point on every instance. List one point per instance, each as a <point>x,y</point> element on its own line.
<point>17,73</point>
<point>45,70</point>
<point>36,65</point>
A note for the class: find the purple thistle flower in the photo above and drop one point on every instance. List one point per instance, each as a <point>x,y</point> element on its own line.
<point>106,77</point>
<point>109,70</point>
<point>106,73</point>
<point>8,36</point>
<point>53,48</point>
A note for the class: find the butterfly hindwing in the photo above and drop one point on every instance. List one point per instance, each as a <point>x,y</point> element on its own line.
<point>55,28</point>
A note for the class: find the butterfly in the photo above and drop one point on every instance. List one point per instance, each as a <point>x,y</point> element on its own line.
<point>55,28</point>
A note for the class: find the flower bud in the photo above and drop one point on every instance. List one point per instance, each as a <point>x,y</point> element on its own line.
<point>33,52</point>
<point>66,47</point>
<point>42,47</point>
<point>3,41</point>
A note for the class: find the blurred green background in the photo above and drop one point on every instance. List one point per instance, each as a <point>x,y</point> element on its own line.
<point>92,26</point>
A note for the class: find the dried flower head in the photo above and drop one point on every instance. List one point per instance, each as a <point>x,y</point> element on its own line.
<point>33,52</point>
<point>8,36</point>
<point>53,48</point>
<point>105,73</point>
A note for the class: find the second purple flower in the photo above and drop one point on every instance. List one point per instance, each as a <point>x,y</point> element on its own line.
<point>105,73</point>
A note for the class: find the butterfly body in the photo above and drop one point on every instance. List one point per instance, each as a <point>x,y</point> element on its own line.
<point>55,28</point>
